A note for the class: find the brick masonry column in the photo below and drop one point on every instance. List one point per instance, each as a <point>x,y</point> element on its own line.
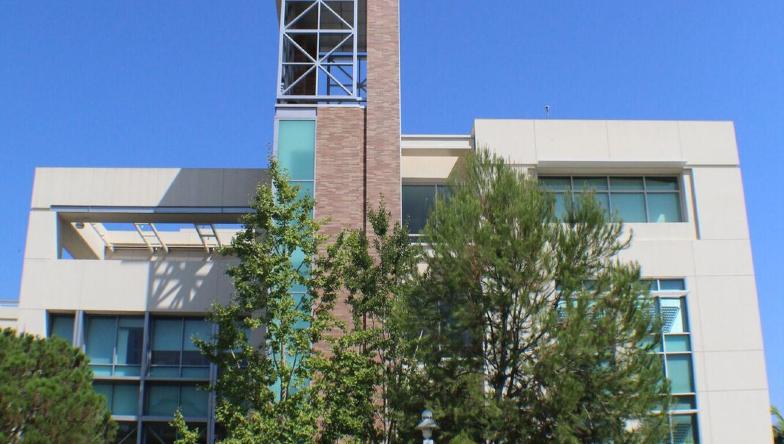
<point>383,104</point>
<point>340,146</point>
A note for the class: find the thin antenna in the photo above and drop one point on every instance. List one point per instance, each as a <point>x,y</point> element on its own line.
<point>547,111</point>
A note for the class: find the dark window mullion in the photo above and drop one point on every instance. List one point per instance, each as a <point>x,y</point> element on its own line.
<point>114,347</point>
<point>645,198</point>
<point>182,345</point>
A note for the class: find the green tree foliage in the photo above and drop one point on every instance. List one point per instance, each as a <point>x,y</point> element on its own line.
<point>283,296</point>
<point>531,328</point>
<point>778,427</point>
<point>46,393</point>
<point>366,382</point>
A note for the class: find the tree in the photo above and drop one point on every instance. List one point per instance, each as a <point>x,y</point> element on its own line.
<point>46,393</point>
<point>778,428</point>
<point>531,328</point>
<point>367,380</point>
<point>283,296</point>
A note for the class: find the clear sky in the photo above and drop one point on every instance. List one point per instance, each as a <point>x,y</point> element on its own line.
<point>190,83</point>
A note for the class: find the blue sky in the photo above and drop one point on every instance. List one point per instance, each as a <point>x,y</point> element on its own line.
<point>191,84</point>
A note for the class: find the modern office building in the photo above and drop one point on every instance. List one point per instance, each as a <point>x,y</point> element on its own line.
<point>122,261</point>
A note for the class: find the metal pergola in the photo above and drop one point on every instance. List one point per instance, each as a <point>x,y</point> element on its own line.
<point>319,54</point>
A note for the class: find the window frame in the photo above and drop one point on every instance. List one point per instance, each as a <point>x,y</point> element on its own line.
<point>436,186</point>
<point>573,191</point>
<point>180,366</point>
<point>682,294</point>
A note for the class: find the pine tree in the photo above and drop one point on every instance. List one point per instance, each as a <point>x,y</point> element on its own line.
<point>46,393</point>
<point>531,328</point>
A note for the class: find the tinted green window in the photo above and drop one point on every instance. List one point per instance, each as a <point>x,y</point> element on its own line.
<point>296,147</point>
<point>684,429</point>
<point>305,189</point>
<point>174,353</point>
<point>679,373</point>
<point>61,326</point>
<point>114,344</point>
<point>121,398</point>
<point>100,344</point>
<point>164,399</point>
<point>677,343</point>
<point>632,199</point>
<point>630,207</point>
<point>130,339</point>
<point>664,207</point>
<point>418,201</point>
<point>672,312</point>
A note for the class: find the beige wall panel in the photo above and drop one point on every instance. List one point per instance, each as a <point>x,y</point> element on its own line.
<point>144,186</point>
<point>514,140</point>
<point>662,258</point>
<point>41,235</point>
<point>740,417</point>
<point>427,167</point>
<point>32,321</point>
<point>729,313</point>
<point>572,140</point>
<point>734,370</point>
<point>643,141</point>
<point>666,231</point>
<point>52,284</point>
<point>113,285</point>
<point>723,257</point>
<point>708,143</point>
<point>720,203</point>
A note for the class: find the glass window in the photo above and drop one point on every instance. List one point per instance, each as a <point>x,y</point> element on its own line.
<point>626,184</point>
<point>672,314</point>
<point>664,208</point>
<point>99,344</point>
<point>590,184</point>
<point>122,398</point>
<point>114,344</point>
<point>296,148</point>
<point>418,201</point>
<point>632,199</point>
<point>173,352</point>
<point>679,373</point>
<point>130,340</point>
<point>305,189</point>
<point>61,326</point>
<point>629,207</point>
<point>684,429</point>
<point>164,399</point>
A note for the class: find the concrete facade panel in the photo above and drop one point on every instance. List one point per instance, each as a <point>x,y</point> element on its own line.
<point>643,141</point>
<point>739,417</point>
<point>572,140</point>
<point>735,370</point>
<point>720,203</point>
<point>725,303</point>
<point>708,143</point>
<point>723,258</point>
<point>514,140</point>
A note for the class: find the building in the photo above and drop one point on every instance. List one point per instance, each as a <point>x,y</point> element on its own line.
<point>122,263</point>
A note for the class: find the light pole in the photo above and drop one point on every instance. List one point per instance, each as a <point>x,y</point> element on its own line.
<point>427,425</point>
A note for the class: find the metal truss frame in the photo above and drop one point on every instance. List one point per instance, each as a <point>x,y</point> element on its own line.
<point>326,64</point>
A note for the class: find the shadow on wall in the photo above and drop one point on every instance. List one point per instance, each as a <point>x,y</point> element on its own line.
<point>188,285</point>
<point>213,187</point>
<point>194,284</point>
